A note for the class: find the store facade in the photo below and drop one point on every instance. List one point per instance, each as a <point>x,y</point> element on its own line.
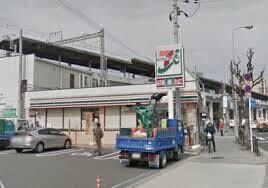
<point>77,111</point>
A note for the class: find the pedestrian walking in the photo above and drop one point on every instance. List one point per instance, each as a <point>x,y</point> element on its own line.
<point>218,125</point>
<point>221,125</point>
<point>98,133</point>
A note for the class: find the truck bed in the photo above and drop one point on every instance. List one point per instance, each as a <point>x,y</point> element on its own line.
<point>150,145</point>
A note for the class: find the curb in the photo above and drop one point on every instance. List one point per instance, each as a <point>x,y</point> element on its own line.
<point>194,153</point>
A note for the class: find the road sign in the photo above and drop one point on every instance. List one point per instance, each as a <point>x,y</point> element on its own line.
<point>170,70</point>
<point>247,85</point>
<point>253,103</point>
<point>225,102</point>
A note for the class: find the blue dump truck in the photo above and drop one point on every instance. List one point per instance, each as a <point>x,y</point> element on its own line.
<point>156,145</point>
<point>7,129</point>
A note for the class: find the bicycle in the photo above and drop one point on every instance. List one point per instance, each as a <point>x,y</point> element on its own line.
<point>202,139</point>
<point>209,137</point>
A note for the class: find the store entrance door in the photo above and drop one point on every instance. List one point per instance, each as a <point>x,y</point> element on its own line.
<point>89,119</point>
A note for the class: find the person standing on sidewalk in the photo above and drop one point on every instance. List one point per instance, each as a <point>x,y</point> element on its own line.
<point>221,124</point>
<point>98,133</point>
<point>211,130</point>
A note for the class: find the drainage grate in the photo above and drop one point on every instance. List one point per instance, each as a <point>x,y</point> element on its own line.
<point>219,157</point>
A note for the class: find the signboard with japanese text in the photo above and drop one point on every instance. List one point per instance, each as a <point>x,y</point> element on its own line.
<point>170,69</point>
<point>89,122</point>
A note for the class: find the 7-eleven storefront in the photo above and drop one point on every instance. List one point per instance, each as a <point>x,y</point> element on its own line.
<point>76,111</point>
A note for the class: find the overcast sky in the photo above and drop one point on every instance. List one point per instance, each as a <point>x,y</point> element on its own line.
<point>144,24</point>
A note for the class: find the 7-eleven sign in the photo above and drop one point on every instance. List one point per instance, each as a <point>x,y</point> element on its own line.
<point>170,66</point>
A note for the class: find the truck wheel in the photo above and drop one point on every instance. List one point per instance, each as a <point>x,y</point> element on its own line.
<point>163,160</point>
<point>176,156</point>
<point>182,149</point>
<point>132,163</point>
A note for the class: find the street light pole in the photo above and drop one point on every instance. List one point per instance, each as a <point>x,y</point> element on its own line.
<point>20,102</point>
<point>236,114</point>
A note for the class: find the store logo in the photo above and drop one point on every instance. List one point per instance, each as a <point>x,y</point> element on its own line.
<point>172,57</point>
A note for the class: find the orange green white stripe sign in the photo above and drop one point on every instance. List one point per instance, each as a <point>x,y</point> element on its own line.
<point>170,66</point>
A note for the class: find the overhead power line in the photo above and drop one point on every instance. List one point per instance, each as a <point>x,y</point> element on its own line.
<point>96,26</point>
<point>80,15</point>
<point>25,31</point>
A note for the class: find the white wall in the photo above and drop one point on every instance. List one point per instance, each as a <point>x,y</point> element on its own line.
<point>9,82</point>
<point>128,117</point>
<point>55,118</point>
<point>48,75</point>
<point>74,115</point>
<point>66,78</point>
<point>112,117</point>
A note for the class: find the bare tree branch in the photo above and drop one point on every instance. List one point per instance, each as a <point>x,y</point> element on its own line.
<point>258,79</point>
<point>237,71</point>
<point>250,67</point>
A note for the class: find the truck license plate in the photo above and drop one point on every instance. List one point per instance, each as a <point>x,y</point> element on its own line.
<point>136,155</point>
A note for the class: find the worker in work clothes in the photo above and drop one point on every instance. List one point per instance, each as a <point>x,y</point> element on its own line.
<point>98,133</point>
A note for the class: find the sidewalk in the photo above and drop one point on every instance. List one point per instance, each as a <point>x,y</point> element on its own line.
<point>230,167</point>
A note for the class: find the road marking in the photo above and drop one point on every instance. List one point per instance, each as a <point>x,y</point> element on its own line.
<point>2,185</point>
<point>114,157</point>
<point>131,179</point>
<point>103,156</point>
<point>7,152</point>
<point>261,138</point>
<point>82,154</point>
<point>58,152</point>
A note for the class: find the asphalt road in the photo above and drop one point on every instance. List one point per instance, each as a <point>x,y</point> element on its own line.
<point>74,168</point>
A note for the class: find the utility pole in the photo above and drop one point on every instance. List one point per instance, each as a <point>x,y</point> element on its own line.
<point>176,41</point>
<point>20,101</point>
<point>103,64</point>
<point>175,21</point>
<point>234,96</point>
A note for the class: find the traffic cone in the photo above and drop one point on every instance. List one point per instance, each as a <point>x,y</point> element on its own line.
<point>98,182</point>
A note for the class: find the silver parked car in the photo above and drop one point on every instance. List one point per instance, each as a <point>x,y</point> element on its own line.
<point>39,139</point>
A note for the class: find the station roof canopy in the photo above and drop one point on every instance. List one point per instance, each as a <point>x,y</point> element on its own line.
<point>216,85</point>
<point>78,57</point>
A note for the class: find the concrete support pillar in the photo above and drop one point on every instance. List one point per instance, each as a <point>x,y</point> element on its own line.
<point>124,70</point>
<point>89,66</point>
<point>210,107</point>
<point>60,72</point>
<point>178,105</point>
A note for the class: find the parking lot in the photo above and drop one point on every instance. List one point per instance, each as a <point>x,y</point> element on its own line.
<point>72,168</point>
